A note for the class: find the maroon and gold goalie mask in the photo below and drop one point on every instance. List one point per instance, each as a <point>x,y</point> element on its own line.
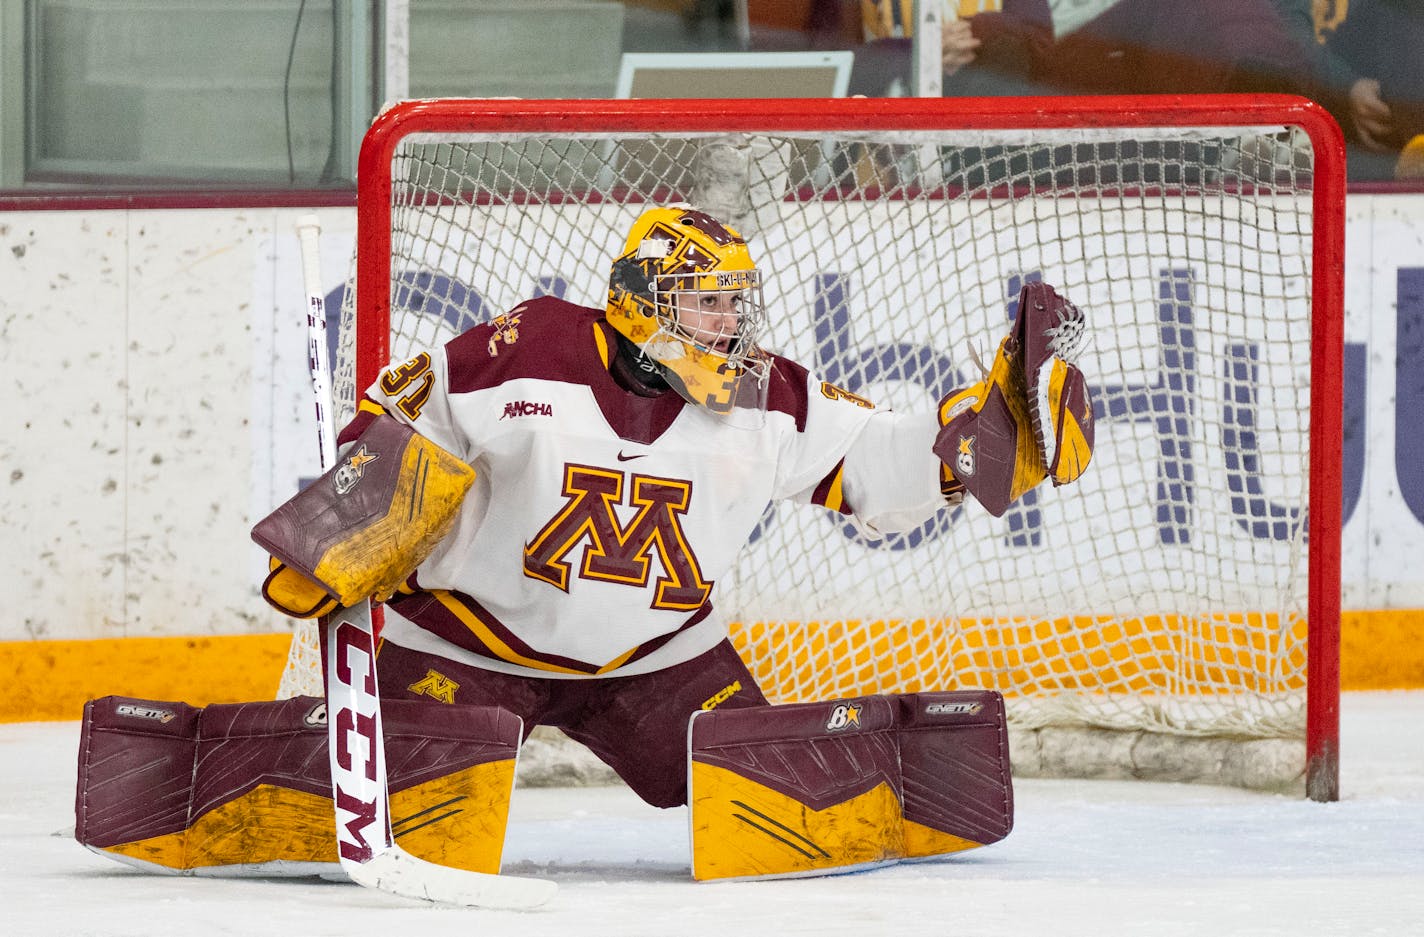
<point>685,291</point>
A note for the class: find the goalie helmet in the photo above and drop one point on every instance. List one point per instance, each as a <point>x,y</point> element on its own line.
<point>686,292</point>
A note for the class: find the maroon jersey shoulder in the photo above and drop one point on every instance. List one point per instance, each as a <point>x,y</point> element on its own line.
<point>540,338</point>
<point>550,339</point>
<point>786,390</point>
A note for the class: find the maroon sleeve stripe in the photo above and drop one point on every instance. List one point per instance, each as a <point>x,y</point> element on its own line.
<point>828,493</point>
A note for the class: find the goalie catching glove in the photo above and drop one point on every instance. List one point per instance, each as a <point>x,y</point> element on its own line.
<point>360,529</point>
<point>1031,418</point>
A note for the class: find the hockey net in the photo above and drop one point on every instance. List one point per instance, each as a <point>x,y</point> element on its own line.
<point>1173,614</point>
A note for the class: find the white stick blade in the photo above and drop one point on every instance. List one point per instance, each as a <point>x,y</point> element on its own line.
<point>400,873</point>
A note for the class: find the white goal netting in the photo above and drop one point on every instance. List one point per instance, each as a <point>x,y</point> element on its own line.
<point>1167,591</point>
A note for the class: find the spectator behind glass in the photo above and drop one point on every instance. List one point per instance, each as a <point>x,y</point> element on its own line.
<point>1381,44</point>
<point>1000,47</point>
<point>1366,71</point>
<point>990,47</point>
<point>1164,47</point>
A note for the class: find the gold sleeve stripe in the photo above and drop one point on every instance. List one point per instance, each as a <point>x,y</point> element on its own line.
<point>835,500</point>
<point>829,493</point>
<point>601,340</point>
<point>369,406</point>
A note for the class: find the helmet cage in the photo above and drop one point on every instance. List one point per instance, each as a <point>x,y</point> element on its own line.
<point>739,346</point>
<point>710,352</point>
<point>719,370</point>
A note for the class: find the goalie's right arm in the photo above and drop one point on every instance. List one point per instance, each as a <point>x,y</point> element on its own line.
<point>287,589</point>
<point>361,528</point>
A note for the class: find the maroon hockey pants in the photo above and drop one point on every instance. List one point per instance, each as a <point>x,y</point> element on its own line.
<point>637,725</point>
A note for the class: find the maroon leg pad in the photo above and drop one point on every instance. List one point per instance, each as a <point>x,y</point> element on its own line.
<point>798,789</point>
<point>816,753</point>
<point>135,769</point>
<point>149,771</point>
<point>242,745</point>
<point>430,740</point>
<point>954,761</point>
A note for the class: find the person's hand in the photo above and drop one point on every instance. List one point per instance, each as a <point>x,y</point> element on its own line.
<point>1370,114</point>
<point>957,45</point>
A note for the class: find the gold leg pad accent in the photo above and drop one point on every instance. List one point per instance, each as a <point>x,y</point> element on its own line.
<point>743,829</point>
<point>458,820</point>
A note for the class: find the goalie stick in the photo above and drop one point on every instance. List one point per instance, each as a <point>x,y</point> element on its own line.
<point>356,746</point>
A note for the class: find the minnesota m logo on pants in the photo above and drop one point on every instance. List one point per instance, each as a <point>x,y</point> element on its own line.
<point>613,552</point>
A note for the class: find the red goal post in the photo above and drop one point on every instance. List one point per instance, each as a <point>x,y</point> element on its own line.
<point>1185,593</point>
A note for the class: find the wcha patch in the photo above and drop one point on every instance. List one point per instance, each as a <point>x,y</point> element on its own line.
<point>517,408</point>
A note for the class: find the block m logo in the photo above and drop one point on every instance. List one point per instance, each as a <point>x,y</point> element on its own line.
<point>613,552</point>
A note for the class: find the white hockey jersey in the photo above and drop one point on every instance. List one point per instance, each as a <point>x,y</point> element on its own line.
<point>601,521</point>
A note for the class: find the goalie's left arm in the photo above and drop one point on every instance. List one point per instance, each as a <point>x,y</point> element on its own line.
<point>891,479</point>
<point>1031,417</point>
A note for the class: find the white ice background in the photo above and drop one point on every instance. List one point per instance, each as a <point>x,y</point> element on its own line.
<point>1098,858</point>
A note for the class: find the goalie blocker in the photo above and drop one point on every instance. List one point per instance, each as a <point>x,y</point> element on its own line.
<point>1031,418</point>
<point>359,529</point>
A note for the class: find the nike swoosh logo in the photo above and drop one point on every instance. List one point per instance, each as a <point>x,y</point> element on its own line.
<point>629,458</point>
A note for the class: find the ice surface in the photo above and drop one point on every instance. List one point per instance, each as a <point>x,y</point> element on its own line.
<point>1098,858</point>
